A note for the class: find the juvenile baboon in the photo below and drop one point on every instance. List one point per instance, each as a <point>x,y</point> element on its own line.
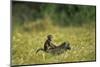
<point>49,47</point>
<point>48,43</point>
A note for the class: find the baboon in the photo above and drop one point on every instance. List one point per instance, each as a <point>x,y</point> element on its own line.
<point>60,49</point>
<point>48,43</point>
<point>49,47</point>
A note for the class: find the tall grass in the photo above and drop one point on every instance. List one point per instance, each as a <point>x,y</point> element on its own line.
<point>26,42</point>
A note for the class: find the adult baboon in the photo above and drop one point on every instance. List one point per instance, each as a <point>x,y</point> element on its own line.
<point>49,47</point>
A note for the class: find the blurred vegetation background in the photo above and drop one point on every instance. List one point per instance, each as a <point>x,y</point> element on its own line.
<point>62,15</point>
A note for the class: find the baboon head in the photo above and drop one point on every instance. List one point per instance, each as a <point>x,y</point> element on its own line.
<point>67,46</point>
<point>49,37</point>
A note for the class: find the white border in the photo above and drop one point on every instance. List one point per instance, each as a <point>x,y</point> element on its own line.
<point>5,33</point>
<point>85,2</point>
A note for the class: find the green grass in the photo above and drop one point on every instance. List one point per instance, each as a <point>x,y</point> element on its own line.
<point>26,42</point>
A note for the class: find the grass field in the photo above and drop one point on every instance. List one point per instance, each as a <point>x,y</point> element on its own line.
<point>27,39</point>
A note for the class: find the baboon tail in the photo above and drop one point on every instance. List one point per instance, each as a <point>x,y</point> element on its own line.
<point>40,49</point>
